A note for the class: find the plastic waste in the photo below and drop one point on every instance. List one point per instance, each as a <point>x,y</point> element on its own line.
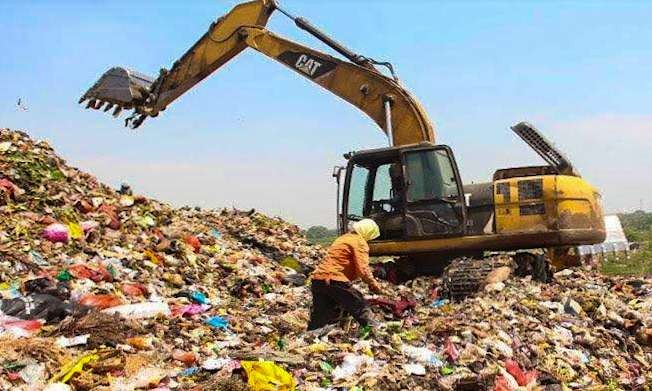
<point>189,371</point>
<point>214,364</point>
<point>414,369</point>
<point>20,328</point>
<point>199,297</point>
<point>446,370</point>
<point>100,302</point>
<point>522,377</point>
<point>96,274</point>
<point>64,275</point>
<point>38,259</point>
<point>140,310</point>
<point>134,289</point>
<point>185,357</point>
<point>350,366</point>
<point>190,309</point>
<point>193,242</point>
<point>326,367</point>
<point>451,350</point>
<point>57,233</point>
<point>10,188</point>
<point>33,374</point>
<point>291,263</point>
<point>145,221</point>
<point>75,231</point>
<point>73,367</point>
<point>36,306</point>
<point>66,342</point>
<point>399,308</point>
<point>439,303</point>
<point>46,285</point>
<point>365,331</point>
<point>422,355</point>
<point>215,233</point>
<point>217,322</point>
<point>267,376</point>
<point>8,291</point>
<point>295,279</point>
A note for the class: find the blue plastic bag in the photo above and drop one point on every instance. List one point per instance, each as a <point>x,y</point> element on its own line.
<point>218,322</point>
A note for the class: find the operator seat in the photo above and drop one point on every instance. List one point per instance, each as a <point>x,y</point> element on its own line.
<point>391,223</point>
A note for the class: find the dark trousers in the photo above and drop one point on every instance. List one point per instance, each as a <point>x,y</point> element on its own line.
<point>329,298</point>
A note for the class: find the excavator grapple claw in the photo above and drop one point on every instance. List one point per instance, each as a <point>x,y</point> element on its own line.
<point>120,88</point>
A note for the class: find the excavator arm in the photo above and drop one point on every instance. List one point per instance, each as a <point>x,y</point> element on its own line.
<point>357,81</point>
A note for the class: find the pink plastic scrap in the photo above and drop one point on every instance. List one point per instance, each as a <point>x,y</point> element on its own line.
<point>57,233</point>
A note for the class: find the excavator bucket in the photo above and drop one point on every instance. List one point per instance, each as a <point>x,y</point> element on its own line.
<point>118,89</point>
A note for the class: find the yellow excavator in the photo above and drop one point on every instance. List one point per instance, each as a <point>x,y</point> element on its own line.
<point>412,188</point>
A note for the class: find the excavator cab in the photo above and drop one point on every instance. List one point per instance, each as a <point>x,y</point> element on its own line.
<point>412,192</point>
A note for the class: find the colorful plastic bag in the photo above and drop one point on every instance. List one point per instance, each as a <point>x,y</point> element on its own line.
<point>73,367</point>
<point>100,302</point>
<point>267,376</point>
<point>57,233</point>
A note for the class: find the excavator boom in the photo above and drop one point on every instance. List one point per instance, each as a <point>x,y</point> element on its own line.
<point>357,81</point>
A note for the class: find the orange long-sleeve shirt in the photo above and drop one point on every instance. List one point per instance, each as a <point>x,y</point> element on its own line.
<point>347,260</point>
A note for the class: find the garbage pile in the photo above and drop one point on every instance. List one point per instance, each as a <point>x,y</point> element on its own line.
<point>108,290</point>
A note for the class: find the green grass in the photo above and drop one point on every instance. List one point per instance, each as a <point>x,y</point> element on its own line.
<point>638,263</point>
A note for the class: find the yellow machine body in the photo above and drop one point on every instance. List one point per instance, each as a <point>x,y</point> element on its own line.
<point>549,203</point>
<point>528,212</point>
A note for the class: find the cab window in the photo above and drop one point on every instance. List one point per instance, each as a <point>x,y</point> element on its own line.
<point>430,176</point>
<point>382,184</point>
<point>357,192</point>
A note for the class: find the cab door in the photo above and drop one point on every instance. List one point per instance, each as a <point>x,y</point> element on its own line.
<point>434,200</point>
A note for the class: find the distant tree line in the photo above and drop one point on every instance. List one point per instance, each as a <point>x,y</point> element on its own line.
<point>319,234</point>
<point>637,225</point>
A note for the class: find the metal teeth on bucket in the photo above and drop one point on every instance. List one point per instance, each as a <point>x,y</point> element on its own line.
<point>119,89</point>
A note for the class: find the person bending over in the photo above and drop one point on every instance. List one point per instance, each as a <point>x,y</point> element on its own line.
<point>346,261</point>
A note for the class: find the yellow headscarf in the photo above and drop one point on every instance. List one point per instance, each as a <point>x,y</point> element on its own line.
<point>367,228</point>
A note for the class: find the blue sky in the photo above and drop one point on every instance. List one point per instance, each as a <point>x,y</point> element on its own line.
<point>256,135</point>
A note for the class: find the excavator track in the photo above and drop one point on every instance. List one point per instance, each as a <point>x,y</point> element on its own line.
<point>465,276</point>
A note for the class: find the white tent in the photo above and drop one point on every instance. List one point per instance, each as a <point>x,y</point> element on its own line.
<point>616,241</point>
